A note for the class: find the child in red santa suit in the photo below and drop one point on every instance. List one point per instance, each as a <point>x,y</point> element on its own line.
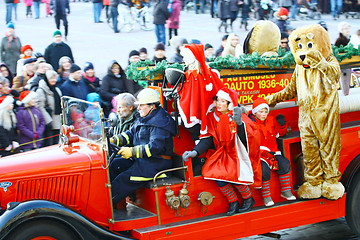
<point>271,158</point>
<point>229,164</point>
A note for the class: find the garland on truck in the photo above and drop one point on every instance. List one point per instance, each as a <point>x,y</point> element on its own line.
<point>283,60</point>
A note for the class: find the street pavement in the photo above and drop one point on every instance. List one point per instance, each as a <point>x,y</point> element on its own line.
<point>96,42</point>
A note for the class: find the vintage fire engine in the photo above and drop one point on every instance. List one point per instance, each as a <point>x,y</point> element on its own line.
<point>64,191</point>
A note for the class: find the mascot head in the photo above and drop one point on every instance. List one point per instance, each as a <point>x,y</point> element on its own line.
<point>263,38</point>
<point>309,38</point>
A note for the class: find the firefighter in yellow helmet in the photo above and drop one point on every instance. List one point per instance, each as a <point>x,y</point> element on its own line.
<point>149,147</point>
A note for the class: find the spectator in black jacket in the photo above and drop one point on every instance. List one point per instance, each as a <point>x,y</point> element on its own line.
<point>161,14</point>
<point>88,77</point>
<point>74,86</point>
<point>56,50</point>
<point>114,83</point>
<point>61,8</point>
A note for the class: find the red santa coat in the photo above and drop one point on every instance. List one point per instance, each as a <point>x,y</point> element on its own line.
<point>231,162</point>
<point>269,130</point>
<point>198,91</point>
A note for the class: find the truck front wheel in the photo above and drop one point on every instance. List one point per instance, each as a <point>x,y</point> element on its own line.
<point>352,209</point>
<point>43,229</point>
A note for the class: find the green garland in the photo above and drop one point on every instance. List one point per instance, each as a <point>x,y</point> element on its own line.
<point>284,59</point>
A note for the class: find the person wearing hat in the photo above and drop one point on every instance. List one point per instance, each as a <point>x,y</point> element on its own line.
<point>271,158</point>
<point>159,53</point>
<point>88,77</point>
<point>10,48</point>
<point>8,136</point>
<point>114,83</point>
<point>26,52</point>
<point>40,67</point>
<point>134,56</point>
<point>74,87</point>
<point>25,75</point>
<point>64,69</point>
<point>209,52</point>
<point>229,164</point>
<point>30,121</point>
<point>151,138</point>
<point>49,103</point>
<point>281,16</point>
<point>143,54</point>
<point>61,10</point>
<point>56,50</point>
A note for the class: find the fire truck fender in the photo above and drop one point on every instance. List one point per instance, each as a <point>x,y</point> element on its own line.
<point>20,215</point>
<point>351,180</point>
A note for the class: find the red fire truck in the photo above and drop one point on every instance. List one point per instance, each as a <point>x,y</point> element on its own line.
<point>64,191</point>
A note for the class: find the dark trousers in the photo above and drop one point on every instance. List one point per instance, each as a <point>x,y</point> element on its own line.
<point>65,22</point>
<point>284,167</point>
<point>51,136</point>
<point>170,32</point>
<point>121,186</point>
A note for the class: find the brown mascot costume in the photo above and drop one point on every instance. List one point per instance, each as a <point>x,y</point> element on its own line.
<point>314,82</point>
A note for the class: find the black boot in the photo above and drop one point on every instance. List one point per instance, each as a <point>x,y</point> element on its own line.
<point>246,204</point>
<point>233,208</point>
<point>246,25</point>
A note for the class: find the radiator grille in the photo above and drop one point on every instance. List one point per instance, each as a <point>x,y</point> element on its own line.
<point>64,189</point>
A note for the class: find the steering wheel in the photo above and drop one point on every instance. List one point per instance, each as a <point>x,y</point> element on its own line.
<point>114,150</point>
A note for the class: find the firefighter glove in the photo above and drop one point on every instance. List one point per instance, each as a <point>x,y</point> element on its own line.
<point>117,140</point>
<point>237,115</point>
<point>126,152</point>
<point>189,154</point>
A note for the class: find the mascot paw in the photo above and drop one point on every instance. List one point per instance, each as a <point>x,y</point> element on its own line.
<point>332,191</point>
<point>308,191</point>
<point>313,58</point>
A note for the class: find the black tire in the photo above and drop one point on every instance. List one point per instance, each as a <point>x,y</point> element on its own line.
<point>352,207</point>
<point>43,228</point>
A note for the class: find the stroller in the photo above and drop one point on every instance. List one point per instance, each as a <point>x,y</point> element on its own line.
<point>308,10</point>
<point>351,8</point>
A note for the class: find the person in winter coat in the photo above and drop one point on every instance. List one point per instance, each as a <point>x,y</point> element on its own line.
<point>114,14</point>
<point>224,13</point>
<point>176,43</point>
<point>56,50</point>
<point>126,114</point>
<point>36,4</point>
<point>26,52</point>
<point>61,8</point>
<point>21,80</point>
<point>232,46</point>
<point>64,69</point>
<point>173,22</point>
<point>106,4</point>
<point>229,164</point>
<point>97,6</point>
<point>92,115</point>
<point>88,77</point>
<point>28,4</point>
<point>30,122</point>
<point>160,13</point>
<point>271,157</point>
<point>344,34</point>
<point>10,48</point>
<point>74,86</point>
<point>281,16</point>
<point>6,73</point>
<point>152,139</point>
<point>40,69</point>
<point>114,83</point>
<point>8,136</point>
<point>159,53</point>
<point>245,10</point>
<point>49,103</point>
<point>234,8</point>
<point>9,6</point>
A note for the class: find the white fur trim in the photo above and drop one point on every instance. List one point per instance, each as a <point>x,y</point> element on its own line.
<point>28,97</point>
<point>265,148</point>
<point>8,100</point>
<point>209,87</point>
<point>259,107</point>
<point>224,95</point>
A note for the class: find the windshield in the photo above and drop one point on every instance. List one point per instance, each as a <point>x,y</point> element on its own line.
<point>84,116</point>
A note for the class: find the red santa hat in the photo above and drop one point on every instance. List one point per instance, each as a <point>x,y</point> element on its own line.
<point>5,100</point>
<point>25,47</point>
<point>259,104</point>
<point>230,96</point>
<point>26,96</point>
